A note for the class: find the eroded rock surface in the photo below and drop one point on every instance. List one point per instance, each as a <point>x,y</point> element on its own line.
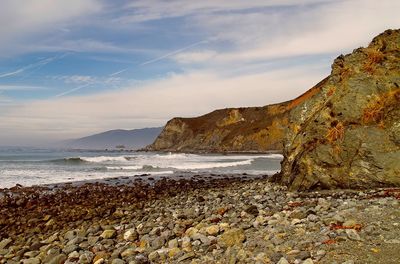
<point>250,129</point>
<point>348,134</point>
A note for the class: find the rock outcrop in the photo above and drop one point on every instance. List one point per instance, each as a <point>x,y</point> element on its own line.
<point>251,129</point>
<point>348,134</point>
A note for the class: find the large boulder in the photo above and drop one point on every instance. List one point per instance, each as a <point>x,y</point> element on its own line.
<point>348,134</point>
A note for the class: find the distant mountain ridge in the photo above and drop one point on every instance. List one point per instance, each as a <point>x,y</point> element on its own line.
<point>130,139</point>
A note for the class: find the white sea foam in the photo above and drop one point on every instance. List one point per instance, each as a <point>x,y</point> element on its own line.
<point>125,168</point>
<point>211,165</point>
<point>102,159</point>
<point>28,177</point>
<point>255,172</point>
<point>274,156</point>
<point>178,161</point>
<point>109,165</point>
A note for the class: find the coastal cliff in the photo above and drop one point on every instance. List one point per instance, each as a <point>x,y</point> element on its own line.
<point>342,133</point>
<point>348,135</point>
<point>250,129</point>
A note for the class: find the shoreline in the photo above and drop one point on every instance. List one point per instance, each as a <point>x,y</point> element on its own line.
<point>209,220</point>
<point>211,152</point>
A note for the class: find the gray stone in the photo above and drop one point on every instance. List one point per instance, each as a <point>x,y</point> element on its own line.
<point>53,251</point>
<point>31,261</point>
<point>131,235</point>
<point>232,237</point>
<point>92,240</point>
<point>392,241</point>
<point>128,252</point>
<point>141,259</point>
<point>86,257</point>
<point>303,255</point>
<point>51,239</point>
<point>76,241</point>
<point>73,255</point>
<point>203,239</point>
<point>158,242</point>
<point>153,256</point>
<point>5,242</point>
<point>118,261</point>
<point>348,262</point>
<point>107,234</point>
<point>187,256</point>
<point>312,218</point>
<point>69,248</point>
<point>31,254</point>
<point>308,261</point>
<point>277,240</point>
<point>283,261</point>
<point>93,230</point>
<point>70,235</point>
<point>59,259</point>
<point>173,243</point>
<point>353,235</point>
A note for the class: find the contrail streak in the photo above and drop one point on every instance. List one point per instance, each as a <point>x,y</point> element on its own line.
<point>162,57</point>
<point>72,90</point>
<point>38,64</point>
<point>118,72</point>
<point>7,74</point>
<point>173,53</point>
<point>142,64</point>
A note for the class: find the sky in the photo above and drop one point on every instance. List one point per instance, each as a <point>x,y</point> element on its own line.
<point>71,68</point>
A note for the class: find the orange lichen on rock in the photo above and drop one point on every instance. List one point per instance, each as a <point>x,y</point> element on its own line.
<point>221,211</point>
<point>374,57</point>
<point>307,95</point>
<point>336,132</point>
<point>375,110</point>
<point>295,204</point>
<point>233,117</point>
<point>329,242</point>
<point>331,91</point>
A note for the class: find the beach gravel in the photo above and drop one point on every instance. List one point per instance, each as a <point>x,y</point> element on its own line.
<point>252,221</point>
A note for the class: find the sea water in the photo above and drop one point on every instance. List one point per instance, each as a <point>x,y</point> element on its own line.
<point>35,166</point>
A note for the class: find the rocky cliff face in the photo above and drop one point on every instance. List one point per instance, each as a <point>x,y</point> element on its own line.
<point>348,134</point>
<point>252,129</point>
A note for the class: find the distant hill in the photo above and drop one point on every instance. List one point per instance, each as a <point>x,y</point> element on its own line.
<point>130,139</point>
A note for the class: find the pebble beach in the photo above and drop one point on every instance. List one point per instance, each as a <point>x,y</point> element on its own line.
<point>198,220</point>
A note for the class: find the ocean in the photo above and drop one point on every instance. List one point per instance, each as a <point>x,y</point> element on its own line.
<point>36,166</point>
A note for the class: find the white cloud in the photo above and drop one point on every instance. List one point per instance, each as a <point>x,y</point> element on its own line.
<point>145,10</point>
<point>333,27</point>
<point>6,87</point>
<point>85,81</point>
<point>22,20</point>
<point>151,103</point>
<point>4,100</point>
<point>76,79</point>
<point>195,56</point>
<point>84,45</point>
<point>240,36</point>
<point>73,90</point>
<point>173,53</point>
